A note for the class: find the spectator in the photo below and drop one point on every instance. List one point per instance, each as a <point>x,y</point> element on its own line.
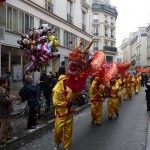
<point>33,100</point>
<point>148,95</point>
<point>55,78</point>
<point>8,74</point>
<point>47,90</point>
<point>5,110</point>
<point>62,69</point>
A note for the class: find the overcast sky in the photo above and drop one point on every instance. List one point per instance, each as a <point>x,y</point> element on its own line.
<point>131,15</point>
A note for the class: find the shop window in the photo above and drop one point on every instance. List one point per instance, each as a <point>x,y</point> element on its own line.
<point>3,15</point>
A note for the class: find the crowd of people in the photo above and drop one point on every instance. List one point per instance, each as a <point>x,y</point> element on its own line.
<point>56,92</point>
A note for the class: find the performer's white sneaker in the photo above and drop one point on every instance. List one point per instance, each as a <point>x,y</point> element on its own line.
<point>56,147</point>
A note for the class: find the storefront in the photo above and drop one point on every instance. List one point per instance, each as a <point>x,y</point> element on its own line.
<point>13,59</point>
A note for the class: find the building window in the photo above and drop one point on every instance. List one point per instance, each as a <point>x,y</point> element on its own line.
<point>112,20</point>
<point>17,21</point>
<point>106,19</point>
<point>112,33</point>
<point>106,31</point>
<point>83,20</point>
<point>95,45</point>
<point>9,18</point>
<point>95,30</point>
<point>106,43</point>
<point>95,18</point>
<point>3,15</point>
<point>69,12</point>
<point>70,40</point>
<point>112,44</point>
<point>48,6</point>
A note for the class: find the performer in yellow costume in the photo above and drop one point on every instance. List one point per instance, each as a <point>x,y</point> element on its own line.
<point>62,97</point>
<point>133,83</point>
<point>112,90</point>
<point>127,87</point>
<point>97,98</point>
<point>118,80</point>
<point>136,84</point>
<point>139,78</point>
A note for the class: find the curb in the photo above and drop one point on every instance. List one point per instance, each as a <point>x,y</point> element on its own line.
<point>30,135</point>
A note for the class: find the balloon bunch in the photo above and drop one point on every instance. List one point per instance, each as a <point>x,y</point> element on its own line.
<point>40,44</point>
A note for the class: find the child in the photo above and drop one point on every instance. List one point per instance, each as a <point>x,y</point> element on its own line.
<point>148,95</point>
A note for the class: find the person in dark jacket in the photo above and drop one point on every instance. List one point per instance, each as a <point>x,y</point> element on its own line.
<point>33,100</point>
<point>6,100</point>
<point>48,85</point>
<point>62,69</point>
<point>148,95</point>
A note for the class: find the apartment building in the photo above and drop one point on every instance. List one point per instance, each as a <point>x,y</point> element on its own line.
<point>70,18</point>
<point>135,48</point>
<point>104,28</point>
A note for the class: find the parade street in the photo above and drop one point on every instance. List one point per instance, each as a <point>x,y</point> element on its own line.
<point>128,132</point>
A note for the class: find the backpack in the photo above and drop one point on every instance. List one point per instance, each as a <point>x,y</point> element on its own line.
<point>23,94</point>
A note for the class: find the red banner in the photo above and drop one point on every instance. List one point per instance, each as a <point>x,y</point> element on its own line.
<point>143,70</point>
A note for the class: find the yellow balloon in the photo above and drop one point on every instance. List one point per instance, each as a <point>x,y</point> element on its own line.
<point>56,43</point>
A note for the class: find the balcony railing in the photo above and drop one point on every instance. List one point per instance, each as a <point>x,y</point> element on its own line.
<point>96,20</point>
<point>69,19</point>
<point>106,21</point>
<point>83,27</point>
<point>109,48</point>
<point>48,6</point>
<point>95,33</point>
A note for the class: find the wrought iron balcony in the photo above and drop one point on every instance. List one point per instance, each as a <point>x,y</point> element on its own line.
<point>83,27</point>
<point>48,6</point>
<point>109,48</point>
<point>95,33</point>
<point>69,19</point>
<point>96,20</point>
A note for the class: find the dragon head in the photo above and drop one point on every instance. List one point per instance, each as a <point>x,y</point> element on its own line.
<point>78,60</point>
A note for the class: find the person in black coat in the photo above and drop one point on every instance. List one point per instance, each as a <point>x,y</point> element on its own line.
<point>62,69</point>
<point>148,95</point>
<point>33,100</point>
<point>48,85</point>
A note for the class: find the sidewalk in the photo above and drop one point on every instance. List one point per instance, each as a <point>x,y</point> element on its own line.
<point>19,122</point>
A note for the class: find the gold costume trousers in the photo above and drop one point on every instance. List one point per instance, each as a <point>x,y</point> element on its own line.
<point>96,111</point>
<point>127,92</point>
<point>119,97</point>
<point>112,106</point>
<point>63,125</point>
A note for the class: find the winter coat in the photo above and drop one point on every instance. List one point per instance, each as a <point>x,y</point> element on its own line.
<point>6,100</point>
<point>32,94</point>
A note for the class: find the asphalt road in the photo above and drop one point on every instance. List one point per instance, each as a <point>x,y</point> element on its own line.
<point>128,132</point>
